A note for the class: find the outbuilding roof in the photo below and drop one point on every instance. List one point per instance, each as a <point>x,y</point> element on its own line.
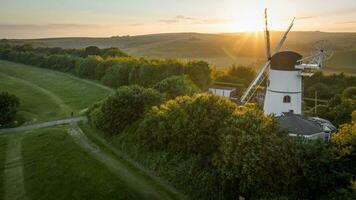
<point>299,125</point>
<point>223,88</point>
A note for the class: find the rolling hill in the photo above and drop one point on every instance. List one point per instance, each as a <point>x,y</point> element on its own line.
<point>218,49</point>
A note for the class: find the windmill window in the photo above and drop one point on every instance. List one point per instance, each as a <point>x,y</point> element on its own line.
<point>268,82</point>
<point>286,99</point>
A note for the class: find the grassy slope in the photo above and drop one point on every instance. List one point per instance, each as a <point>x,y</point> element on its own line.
<point>46,94</point>
<point>71,173</point>
<point>54,166</point>
<point>219,49</point>
<point>34,107</point>
<point>2,162</point>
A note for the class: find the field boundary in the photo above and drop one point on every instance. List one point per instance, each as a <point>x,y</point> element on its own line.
<point>13,172</point>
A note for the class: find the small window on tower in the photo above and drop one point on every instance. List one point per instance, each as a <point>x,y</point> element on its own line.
<point>286,99</point>
<point>268,82</point>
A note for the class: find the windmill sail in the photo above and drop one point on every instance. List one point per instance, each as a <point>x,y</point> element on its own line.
<point>263,73</point>
<point>267,38</point>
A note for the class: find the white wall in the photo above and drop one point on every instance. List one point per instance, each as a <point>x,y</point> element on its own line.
<point>221,92</point>
<point>282,83</point>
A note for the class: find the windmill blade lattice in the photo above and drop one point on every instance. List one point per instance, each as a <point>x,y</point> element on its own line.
<point>323,48</point>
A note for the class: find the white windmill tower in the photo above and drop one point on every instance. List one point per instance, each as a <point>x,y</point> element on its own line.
<point>285,71</point>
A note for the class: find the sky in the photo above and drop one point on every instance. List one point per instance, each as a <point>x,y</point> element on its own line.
<point>104,18</point>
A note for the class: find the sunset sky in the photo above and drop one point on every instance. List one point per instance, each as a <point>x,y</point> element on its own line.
<point>64,18</point>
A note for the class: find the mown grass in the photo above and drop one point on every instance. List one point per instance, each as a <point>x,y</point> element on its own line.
<point>45,94</point>
<point>2,164</point>
<point>34,104</point>
<point>57,168</point>
<point>74,92</point>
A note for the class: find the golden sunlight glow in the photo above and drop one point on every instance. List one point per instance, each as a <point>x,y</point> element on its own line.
<point>248,16</point>
<point>251,25</point>
<point>250,19</point>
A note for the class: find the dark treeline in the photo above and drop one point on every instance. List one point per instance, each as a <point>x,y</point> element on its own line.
<point>110,65</point>
<point>339,92</point>
<point>328,86</point>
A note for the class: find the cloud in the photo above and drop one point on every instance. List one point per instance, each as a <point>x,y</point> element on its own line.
<point>47,26</point>
<point>306,17</point>
<point>347,22</point>
<point>136,24</point>
<point>194,20</point>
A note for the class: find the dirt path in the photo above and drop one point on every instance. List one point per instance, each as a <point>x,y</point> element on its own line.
<point>13,171</point>
<point>43,125</point>
<point>53,96</point>
<point>132,178</point>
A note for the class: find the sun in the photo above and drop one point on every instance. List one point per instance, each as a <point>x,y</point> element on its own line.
<point>247,23</point>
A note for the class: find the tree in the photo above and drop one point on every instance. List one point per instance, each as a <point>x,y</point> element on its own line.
<point>252,158</point>
<point>92,51</point>
<point>8,108</point>
<point>187,126</point>
<point>120,73</point>
<point>117,75</point>
<point>113,52</point>
<point>349,93</point>
<point>176,86</point>
<point>242,72</point>
<point>128,104</point>
<point>103,66</point>
<point>199,73</point>
<point>322,90</point>
<point>338,110</point>
<point>86,68</point>
<point>345,143</point>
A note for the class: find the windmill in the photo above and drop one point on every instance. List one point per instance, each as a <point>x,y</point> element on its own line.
<point>285,70</point>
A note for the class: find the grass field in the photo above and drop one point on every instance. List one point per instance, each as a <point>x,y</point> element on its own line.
<point>46,94</point>
<point>72,172</point>
<point>2,163</point>
<point>62,162</point>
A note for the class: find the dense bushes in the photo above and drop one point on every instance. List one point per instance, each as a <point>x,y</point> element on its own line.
<point>335,83</point>
<point>322,90</point>
<point>237,75</point>
<point>253,156</point>
<point>218,150</point>
<point>239,150</point>
<point>175,86</point>
<point>86,68</point>
<point>8,108</point>
<point>127,105</point>
<point>338,109</point>
<point>345,142</point>
<point>188,125</point>
<point>112,66</point>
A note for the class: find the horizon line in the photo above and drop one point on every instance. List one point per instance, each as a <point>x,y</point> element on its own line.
<point>184,32</point>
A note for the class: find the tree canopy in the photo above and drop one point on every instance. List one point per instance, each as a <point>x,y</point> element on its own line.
<point>9,104</point>
<point>127,105</point>
<point>175,86</point>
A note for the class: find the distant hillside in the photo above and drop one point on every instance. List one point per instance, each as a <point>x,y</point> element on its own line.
<point>218,49</point>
